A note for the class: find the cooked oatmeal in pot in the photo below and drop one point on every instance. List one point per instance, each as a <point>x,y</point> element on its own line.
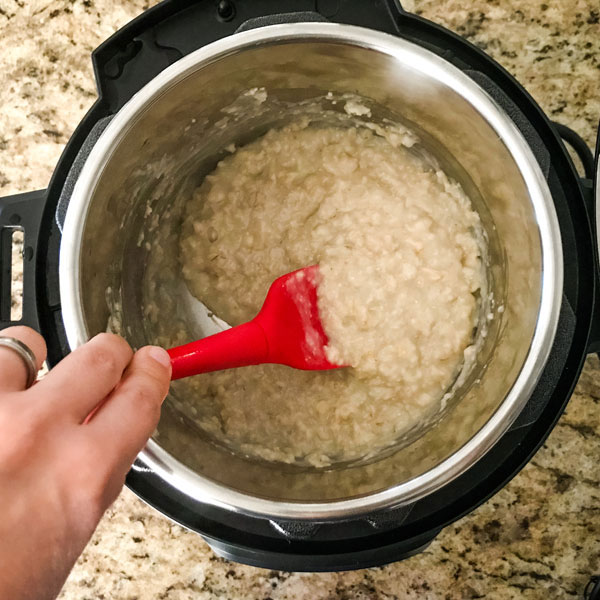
<point>401,272</point>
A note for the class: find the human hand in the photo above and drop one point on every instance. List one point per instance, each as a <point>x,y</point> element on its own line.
<point>59,470</point>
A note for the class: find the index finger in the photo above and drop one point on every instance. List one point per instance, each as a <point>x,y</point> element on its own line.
<point>79,382</point>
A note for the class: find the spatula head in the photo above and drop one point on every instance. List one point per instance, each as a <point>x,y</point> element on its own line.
<point>290,319</point>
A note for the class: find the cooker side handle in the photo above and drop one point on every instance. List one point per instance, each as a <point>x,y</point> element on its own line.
<point>591,195</point>
<point>575,141</point>
<point>592,192</point>
<point>21,212</point>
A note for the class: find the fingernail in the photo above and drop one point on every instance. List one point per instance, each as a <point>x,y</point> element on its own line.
<point>160,355</point>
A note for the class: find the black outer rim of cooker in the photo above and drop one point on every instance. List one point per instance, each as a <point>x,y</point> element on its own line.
<point>160,36</point>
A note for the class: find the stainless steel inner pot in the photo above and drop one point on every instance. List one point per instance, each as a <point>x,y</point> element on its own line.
<point>174,131</point>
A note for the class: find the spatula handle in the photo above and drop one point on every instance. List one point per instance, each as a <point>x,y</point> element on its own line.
<point>239,346</point>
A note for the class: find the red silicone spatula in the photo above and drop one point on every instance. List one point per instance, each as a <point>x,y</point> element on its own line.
<point>286,331</point>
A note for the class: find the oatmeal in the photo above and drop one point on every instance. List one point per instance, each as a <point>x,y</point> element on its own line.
<point>400,267</point>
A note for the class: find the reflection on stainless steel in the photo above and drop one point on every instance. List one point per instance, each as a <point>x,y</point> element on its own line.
<point>174,131</point>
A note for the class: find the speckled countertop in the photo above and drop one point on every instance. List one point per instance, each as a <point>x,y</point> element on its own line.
<point>537,538</point>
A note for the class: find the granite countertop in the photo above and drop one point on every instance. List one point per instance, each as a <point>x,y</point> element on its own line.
<point>537,538</point>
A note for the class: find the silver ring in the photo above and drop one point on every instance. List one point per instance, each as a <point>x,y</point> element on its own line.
<point>26,355</point>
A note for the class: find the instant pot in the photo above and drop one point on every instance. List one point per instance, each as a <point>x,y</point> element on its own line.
<point>158,126</point>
